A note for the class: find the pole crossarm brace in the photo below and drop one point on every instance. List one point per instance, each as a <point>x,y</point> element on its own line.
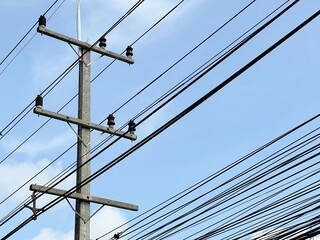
<point>79,122</point>
<point>83,197</point>
<point>84,45</point>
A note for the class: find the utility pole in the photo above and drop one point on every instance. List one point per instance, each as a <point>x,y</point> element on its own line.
<point>82,195</point>
<point>82,228</point>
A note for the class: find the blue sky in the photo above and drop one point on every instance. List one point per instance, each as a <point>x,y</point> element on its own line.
<point>276,94</point>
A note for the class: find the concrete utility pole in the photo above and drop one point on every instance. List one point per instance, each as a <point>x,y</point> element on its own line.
<point>82,196</point>
<point>82,228</point>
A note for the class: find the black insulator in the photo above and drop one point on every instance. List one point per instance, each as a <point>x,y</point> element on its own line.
<point>129,51</point>
<point>111,121</point>
<point>39,101</point>
<point>42,21</point>
<point>132,127</point>
<point>102,42</point>
<point>116,236</point>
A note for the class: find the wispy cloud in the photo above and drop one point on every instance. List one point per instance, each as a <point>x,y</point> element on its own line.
<point>37,146</point>
<point>155,121</point>
<point>14,174</point>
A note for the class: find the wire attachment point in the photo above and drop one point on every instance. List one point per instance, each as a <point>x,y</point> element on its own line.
<point>34,208</point>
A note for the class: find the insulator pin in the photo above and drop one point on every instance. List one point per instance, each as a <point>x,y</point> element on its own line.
<point>42,21</point>
<point>129,51</point>
<point>111,121</point>
<point>103,42</point>
<point>132,127</point>
<point>39,101</point>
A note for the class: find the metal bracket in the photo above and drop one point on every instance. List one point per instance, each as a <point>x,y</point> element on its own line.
<point>73,130</point>
<point>85,221</point>
<point>34,208</point>
<point>74,49</point>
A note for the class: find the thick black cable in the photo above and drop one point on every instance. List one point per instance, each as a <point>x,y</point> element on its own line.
<point>210,178</point>
<point>214,206</point>
<point>220,185</point>
<point>254,216</point>
<point>244,201</point>
<point>182,58</point>
<point>216,63</point>
<point>230,217</point>
<point>225,56</point>
<point>297,194</point>
<point>278,221</point>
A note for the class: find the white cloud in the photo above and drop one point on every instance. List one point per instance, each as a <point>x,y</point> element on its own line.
<point>37,146</point>
<point>46,69</point>
<point>50,234</point>
<point>21,172</point>
<point>155,121</point>
<point>104,221</point>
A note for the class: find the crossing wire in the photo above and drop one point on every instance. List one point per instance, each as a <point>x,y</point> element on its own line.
<point>28,32</point>
<point>51,86</point>
<point>158,100</point>
<point>162,128</point>
<point>254,167</point>
<point>225,198</point>
<point>72,165</point>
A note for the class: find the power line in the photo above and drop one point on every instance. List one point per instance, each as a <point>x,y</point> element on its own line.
<point>28,32</point>
<point>51,86</point>
<point>95,78</point>
<point>28,42</point>
<point>217,174</point>
<point>229,181</point>
<point>163,127</point>
<point>72,165</point>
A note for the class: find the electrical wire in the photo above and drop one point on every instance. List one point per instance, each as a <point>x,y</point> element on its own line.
<point>28,42</point>
<point>105,119</point>
<point>52,85</point>
<point>232,179</point>
<point>184,56</point>
<point>28,32</point>
<point>73,165</point>
<point>163,127</point>
<point>212,177</point>
<point>235,195</point>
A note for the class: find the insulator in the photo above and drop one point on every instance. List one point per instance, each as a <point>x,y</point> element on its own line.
<point>103,42</point>
<point>129,51</point>
<point>132,127</point>
<point>111,121</point>
<point>42,21</point>
<point>39,101</point>
<point>116,236</point>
